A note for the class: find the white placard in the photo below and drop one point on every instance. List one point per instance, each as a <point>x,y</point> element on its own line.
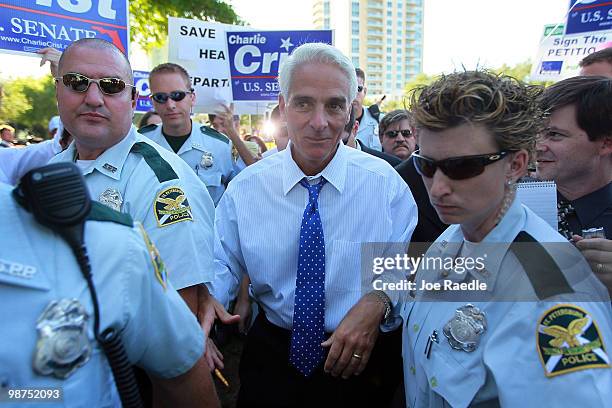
<point>558,55</point>
<point>200,47</point>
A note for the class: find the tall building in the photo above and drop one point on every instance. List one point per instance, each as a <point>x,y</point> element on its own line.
<point>382,37</point>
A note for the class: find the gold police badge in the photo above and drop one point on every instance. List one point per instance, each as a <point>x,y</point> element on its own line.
<point>171,206</point>
<point>568,340</point>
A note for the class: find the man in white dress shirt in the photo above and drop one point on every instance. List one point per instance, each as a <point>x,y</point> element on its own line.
<point>319,202</point>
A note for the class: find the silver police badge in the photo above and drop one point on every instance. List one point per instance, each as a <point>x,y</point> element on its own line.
<point>463,331</point>
<point>111,198</point>
<point>63,345</point>
<point>207,160</point>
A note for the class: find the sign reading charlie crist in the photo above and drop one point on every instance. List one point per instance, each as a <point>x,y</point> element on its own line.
<point>256,56</point>
<point>27,26</point>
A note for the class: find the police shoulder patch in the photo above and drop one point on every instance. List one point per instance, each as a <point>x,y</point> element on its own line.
<point>171,206</point>
<point>158,265</point>
<point>568,340</point>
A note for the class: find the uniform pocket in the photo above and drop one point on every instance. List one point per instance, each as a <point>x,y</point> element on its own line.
<point>456,382</point>
<point>211,179</point>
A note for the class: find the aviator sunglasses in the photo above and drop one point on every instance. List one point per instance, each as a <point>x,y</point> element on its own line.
<point>80,83</point>
<point>456,168</point>
<point>393,133</point>
<point>176,96</point>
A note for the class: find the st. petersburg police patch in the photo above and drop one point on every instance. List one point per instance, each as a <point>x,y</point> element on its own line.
<point>568,339</point>
<point>158,265</point>
<point>171,206</point>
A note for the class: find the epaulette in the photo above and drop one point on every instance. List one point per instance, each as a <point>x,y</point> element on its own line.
<point>541,269</point>
<point>214,133</point>
<point>148,128</point>
<point>100,212</point>
<point>162,169</point>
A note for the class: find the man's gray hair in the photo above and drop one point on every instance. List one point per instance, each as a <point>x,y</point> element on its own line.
<point>317,53</point>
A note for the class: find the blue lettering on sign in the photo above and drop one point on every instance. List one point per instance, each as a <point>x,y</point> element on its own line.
<point>551,67</point>
<point>29,26</point>
<point>255,58</point>
<point>141,82</point>
<point>589,16</point>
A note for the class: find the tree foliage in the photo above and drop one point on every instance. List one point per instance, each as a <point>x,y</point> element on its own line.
<point>149,18</point>
<point>28,103</point>
<point>520,71</point>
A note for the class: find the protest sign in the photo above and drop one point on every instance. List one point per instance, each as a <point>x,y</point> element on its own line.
<point>26,27</point>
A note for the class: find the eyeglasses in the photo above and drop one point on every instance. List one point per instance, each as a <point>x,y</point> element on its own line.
<point>80,83</point>
<point>359,88</point>
<point>176,96</point>
<point>393,133</point>
<point>456,168</point>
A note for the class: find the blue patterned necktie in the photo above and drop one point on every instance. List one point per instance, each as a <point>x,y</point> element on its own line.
<point>309,312</point>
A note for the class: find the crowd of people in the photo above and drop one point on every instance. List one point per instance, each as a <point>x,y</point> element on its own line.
<point>186,220</point>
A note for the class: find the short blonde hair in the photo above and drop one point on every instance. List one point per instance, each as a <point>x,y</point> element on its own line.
<point>505,106</point>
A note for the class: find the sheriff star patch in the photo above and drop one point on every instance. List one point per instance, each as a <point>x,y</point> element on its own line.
<point>568,340</point>
<point>158,265</point>
<point>171,206</point>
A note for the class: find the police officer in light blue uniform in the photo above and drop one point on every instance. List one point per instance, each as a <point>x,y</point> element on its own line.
<point>125,170</point>
<point>46,313</point>
<point>206,151</point>
<point>534,328</point>
<point>514,362</point>
<point>158,189</point>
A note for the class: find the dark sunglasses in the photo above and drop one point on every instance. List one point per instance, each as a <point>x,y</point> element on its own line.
<point>176,96</point>
<point>393,133</point>
<point>80,83</point>
<point>456,168</point>
<point>359,88</point>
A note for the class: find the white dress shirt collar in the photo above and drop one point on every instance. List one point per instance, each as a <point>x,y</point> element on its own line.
<point>334,172</point>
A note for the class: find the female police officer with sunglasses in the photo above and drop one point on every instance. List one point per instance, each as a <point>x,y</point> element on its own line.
<point>504,312</point>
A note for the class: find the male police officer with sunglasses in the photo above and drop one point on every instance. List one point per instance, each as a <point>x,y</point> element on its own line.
<point>127,172</point>
<point>208,152</point>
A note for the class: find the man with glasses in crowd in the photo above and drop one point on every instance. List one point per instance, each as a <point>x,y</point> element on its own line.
<point>205,150</point>
<point>125,171</point>
<point>367,118</point>
<point>395,134</point>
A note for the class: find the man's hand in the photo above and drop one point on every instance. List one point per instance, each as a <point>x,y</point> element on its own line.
<point>243,305</point>
<point>52,56</point>
<point>210,309</point>
<point>227,114</point>
<point>355,335</point>
<point>598,252</point>
<point>214,358</point>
